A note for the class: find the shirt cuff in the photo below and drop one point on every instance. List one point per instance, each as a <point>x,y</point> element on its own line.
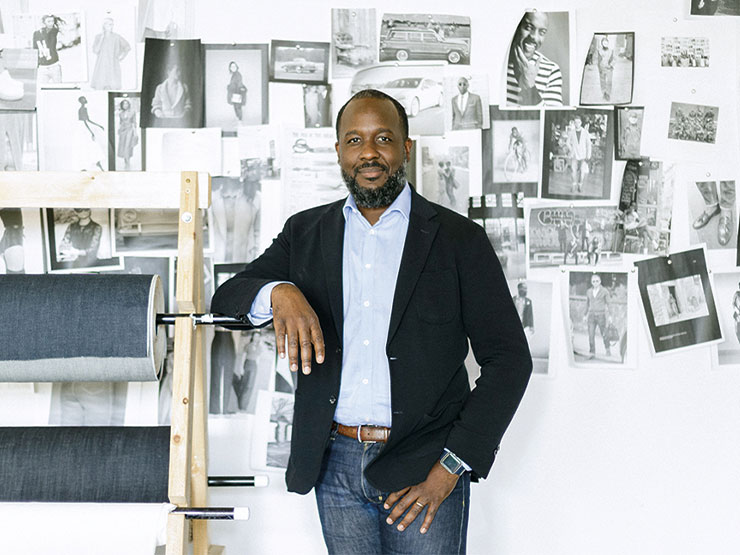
<point>261,309</point>
<point>464,464</point>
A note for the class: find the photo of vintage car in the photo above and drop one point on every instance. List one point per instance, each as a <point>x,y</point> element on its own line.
<point>410,43</point>
<point>299,65</point>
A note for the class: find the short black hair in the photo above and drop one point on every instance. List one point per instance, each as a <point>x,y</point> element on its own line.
<point>374,93</point>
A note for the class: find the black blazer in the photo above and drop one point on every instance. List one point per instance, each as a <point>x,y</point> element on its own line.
<point>450,288</point>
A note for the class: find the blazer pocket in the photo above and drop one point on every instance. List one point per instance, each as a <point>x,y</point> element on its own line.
<point>437,297</point>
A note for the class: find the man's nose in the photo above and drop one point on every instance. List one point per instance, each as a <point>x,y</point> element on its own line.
<point>369,151</point>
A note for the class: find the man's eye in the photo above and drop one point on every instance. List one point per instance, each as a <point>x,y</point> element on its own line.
<point>384,139</point>
<point>353,140</point>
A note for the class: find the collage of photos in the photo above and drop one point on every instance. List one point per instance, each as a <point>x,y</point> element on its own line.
<point>546,152</point>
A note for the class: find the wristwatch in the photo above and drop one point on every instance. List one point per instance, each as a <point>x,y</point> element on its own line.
<point>452,464</point>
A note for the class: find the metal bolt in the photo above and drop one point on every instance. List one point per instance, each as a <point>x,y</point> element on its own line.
<point>187,217</point>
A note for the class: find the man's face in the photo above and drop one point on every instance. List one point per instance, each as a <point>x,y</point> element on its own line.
<point>605,43</point>
<point>578,123</point>
<point>522,290</point>
<point>108,24</point>
<point>371,145</point>
<point>48,22</point>
<point>531,33</point>
<point>462,86</point>
<point>595,281</point>
<point>174,73</point>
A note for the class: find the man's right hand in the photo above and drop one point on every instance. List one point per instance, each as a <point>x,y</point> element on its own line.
<point>295,320</point>
<point>526,72</point>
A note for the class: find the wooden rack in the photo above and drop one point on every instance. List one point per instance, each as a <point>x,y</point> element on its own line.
<point>190,192</point>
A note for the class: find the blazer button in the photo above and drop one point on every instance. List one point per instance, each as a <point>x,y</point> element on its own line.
<point>332,399</point>
<point>338,350</point>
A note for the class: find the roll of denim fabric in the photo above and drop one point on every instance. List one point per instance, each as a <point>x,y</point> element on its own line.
<point>84,464</point>
<point>64,328</point>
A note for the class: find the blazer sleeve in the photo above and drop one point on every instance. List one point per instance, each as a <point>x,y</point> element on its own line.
<point>500,348</point>
<point>234,297</point>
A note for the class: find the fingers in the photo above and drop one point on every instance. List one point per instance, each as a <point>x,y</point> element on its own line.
<point>279,338</point>
<point>393,497</point>
<point>412,505</point>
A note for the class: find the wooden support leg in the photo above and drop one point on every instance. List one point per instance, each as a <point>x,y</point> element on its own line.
<point>177,539</point>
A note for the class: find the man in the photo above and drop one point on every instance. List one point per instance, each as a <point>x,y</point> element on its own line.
<point>386,288</point>
<point>597,315</point>
<point>81,240</point>
<point>467,111</point>
<point>630,135</point>
<point>605,63</point>
<point>579,147</point>
<point>172,97</point>
<point>523,306</point>
<point>45,41</point>
<point>722,204</point>
<point>531,78</point>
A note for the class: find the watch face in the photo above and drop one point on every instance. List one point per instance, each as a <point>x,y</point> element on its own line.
<point>449,462</point>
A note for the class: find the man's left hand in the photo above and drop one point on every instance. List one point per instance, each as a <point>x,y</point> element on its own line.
<point>428,494</point>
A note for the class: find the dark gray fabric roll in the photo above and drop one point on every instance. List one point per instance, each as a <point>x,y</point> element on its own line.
<point>84,465</point>
<point>80,328</point>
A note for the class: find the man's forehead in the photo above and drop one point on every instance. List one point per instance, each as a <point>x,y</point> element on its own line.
<point>538,19</point>
<point>363,111</point>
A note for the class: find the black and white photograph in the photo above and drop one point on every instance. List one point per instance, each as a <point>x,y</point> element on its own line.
<point>418,87</point>
<point>260,142</point>
<point>172,84</point>
<point>149,231</point>
<point>645,208</point>
<point>111,41</point>
<point>415,36</point>
<point>715,7</point>
<point>184,150</point>
<point>235,206</point>
<point>354,40</point>
<point>448,167</point>
<point>684,52</point>
<point>18,141</point>
<point>236,83</point>
<point>597,317</point>
<point>88,403</point>
<point>60,42</point>
<point>578,151</point>
<point>512,148</point>
<point>628,132</point>
<point>125,137</point>
<point>21,242</point>
<point>727,296</point>
<point>538,63</point>
<point>73,127</point>
<point>713,213</point>
<point>608,73</point>
<point>678,301</point>
<point>299,62</point>
<point>693,122</point>
<point>317,105</point>
<point>533,302</point>
<point>18,68</point>
<point>165,19</point>
<point>79,239</point>
<point>468,104</point>
<point>579,235</point>
<point>502,217</point>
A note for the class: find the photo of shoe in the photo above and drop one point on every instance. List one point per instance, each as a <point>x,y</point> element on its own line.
<point>10,89</point>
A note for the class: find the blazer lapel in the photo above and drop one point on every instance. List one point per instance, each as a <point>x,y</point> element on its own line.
<point>332,245</point>
<point>419,238</point>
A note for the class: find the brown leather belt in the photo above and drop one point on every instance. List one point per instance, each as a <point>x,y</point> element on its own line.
<point>363,434</point>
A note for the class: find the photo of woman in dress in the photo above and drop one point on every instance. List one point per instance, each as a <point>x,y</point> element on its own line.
<point>128,138</point>
<point>92,155</point>
<point>236,91</point>
<point>110,48</point>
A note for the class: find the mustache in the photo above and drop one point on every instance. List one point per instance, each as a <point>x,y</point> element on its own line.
<point>370,165</point>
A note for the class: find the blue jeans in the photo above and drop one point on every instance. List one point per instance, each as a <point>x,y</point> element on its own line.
<point>352,514</point>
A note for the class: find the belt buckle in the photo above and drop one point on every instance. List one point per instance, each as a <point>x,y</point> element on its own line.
<point>359,435</point>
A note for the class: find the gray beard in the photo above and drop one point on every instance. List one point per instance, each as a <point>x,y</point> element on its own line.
<point>380,197</point>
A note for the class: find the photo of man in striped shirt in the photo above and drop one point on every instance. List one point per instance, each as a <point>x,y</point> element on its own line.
<point>531,77</point>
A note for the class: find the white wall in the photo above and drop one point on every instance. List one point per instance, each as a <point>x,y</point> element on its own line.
<point>596,461</point>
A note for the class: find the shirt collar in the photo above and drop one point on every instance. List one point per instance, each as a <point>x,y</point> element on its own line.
<point>402,204</point>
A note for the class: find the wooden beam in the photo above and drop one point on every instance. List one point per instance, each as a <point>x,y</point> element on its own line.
<point>97,189</point>
<point>177,528</point>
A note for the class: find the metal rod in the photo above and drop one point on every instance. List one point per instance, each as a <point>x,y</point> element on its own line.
<point>237,481</point>
<point>212,513</point>
<point>205,320</point>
